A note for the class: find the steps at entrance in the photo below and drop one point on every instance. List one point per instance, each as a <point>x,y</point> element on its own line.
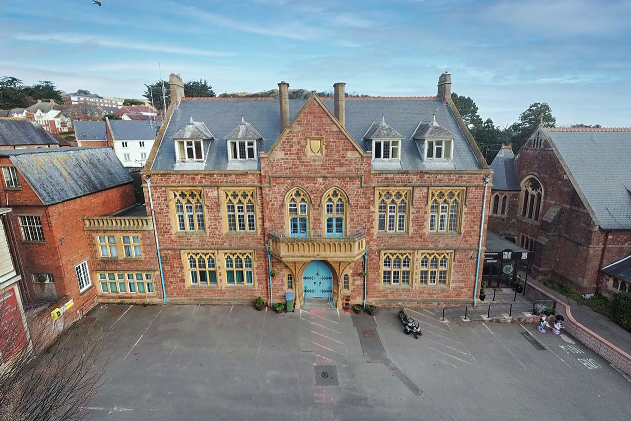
<point>317,303</point>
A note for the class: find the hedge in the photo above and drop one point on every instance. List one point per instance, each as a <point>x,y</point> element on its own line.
<point>622,309</point>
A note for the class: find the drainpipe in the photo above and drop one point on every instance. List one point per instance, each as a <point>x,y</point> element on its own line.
<point>487,178</point>
<point>269,266</point>
<point>365,275</point>
<point>155,232</point>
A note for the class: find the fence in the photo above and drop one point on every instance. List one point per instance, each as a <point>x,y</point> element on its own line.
<point>491,311</point>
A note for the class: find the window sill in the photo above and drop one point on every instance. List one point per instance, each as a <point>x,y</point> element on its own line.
<point>84,290</point>
<point>391,234</point>
<point>33,242</point>
<point>13,188</point>
<point>396,286</point>
<point>182,233</point>
<point>197,286</point>
<point>435,286</point>
<point>239,286</point>
<point>449,234</point>
<point>246,233</point>
<point>528,221</point>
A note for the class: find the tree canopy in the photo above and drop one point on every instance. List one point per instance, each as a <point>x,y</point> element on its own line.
<point>132,101</point>
<point>14,94</point>
<point>194,88</point>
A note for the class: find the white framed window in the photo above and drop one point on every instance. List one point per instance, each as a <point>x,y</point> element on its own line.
<point>11,179</point>
<point>43,278</point>
<point>31,227</point>
<point>126,157</point>
<point>143,155</point>
<point>190,150</point>
<point>141,143</point>
<point>242,149</point>
<point>83,276</point>
<point>396,268</point>
<point>385,149</point>
<point>124,144</point>
<point>439,149</point>
<point>131,245</point>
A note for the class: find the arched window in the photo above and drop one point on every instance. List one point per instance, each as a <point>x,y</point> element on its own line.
<point>240,210</point>
<point>499,204</point>
<point>444,210</point>
<point>189,210</point>
<point>335,208</point>
<point>531,198</point>
<point>396,268</point>
<point>435,268</point>
<point>298,212</point>
<point>392,208</point>
<point>496,204</point>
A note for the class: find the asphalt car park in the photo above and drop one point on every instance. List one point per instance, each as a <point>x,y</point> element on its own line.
<point>233,363</point>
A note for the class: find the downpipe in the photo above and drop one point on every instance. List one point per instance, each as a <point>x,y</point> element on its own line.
<point>487,178</point>
<point>365,275</point>
<point>269,267</point>
<point>155,232</point>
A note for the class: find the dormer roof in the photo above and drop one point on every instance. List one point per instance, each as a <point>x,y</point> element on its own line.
<point>194,130</point>
<point>432,130</point>
<point>244,131</point>
<point>382,130</point>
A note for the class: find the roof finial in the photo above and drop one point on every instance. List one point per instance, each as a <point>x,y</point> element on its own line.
<point>242,119</point>
<point>191,122</point>
<point>383,118</point>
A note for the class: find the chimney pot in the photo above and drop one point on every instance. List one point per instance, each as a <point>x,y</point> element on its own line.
<point>283,100</point>
<point>444,87</point>
<point>339,102</point>
<point>176,88</point>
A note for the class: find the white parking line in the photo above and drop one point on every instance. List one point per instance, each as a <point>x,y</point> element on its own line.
<point>505,347</point>
<point>547,347</point>
<point>143,334</point>
<point>451,356</point>
<point>121,316</point>
<point>446,346</point>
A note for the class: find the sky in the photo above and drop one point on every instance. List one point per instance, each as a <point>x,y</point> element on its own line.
<point>504,54</point>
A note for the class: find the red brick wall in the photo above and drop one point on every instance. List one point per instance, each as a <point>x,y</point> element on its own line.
<point>342,166</point>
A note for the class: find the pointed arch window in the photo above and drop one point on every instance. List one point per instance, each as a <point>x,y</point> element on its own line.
<point>435,269</point>
<point>189,210</point>
<point>499,204</point>
<point>396,268</point>
<point>531,198</point>
<point>240,210</point>
<point>335,207</point>
<point>392,210</point>
<point>298,213</point>
<point>202,269</point>
<point>445,210</point>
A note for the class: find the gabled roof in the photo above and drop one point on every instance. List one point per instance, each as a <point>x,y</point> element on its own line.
<point>244,131</point>
<point>60,174</point>
<point>432,130</point>
<point>134,130</point>
<point>135,109</point>
<point>193,130</point>
<point>598,163</point>
<point>89,130</point>
<point>18,131</point>
<point>382,130</point>
<point>505,175</point>
<point>43,107</point>
<point>620,269</point>
<point>222,115</point>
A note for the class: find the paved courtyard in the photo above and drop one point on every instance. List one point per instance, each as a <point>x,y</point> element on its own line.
<point>233,363</point>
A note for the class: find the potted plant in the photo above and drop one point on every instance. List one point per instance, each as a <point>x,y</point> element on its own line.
<point>259,304</point>
<point>371,309</point>
<point>357,308</point>
<point>483,291</point>
<point>279,307</point>
<point>273,272</point>
<point>549,310</point>
<point>520,286</point>
<point>362,273</point>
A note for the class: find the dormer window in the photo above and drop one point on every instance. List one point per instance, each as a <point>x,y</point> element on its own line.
<point>242,149</point>
<point>386,141</point>
<point>190,150</point>
<point>385,149</point>
<point>434,141</point>
<point>189,142</point>
<point>438,149</point>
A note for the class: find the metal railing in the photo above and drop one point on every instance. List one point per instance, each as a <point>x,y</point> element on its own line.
<point>316,233</point>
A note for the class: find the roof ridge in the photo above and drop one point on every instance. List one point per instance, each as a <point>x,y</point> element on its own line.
<point>208,98</point>
<point>383,98</point>
<point>589,129</point>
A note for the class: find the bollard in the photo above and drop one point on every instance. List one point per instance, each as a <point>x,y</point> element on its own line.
<point>515,297</point>
<point>510,311</point>
<point>443,314</point>
<point>493,294</point>
<point>465,313</point>
<point>488,314</point>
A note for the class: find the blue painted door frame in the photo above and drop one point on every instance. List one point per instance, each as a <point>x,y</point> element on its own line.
<point>317,280</point>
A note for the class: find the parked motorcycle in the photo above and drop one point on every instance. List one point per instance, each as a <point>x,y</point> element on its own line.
<point>409,325</point>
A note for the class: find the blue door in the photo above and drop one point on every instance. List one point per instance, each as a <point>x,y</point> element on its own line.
<point>317,280</point>
<point>298,226</point>
<point>334,226</point>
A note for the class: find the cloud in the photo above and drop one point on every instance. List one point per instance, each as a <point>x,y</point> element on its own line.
<point>72,38</point>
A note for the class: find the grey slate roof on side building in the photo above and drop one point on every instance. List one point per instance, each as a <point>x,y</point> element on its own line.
<point>598,162</point>
<point>402,114</point>
<point>620,269</point>
<point>505,175</point>
<point>134,130</point>
<point>18,132</point>
<point>61,174</point>
<point>89,130</point>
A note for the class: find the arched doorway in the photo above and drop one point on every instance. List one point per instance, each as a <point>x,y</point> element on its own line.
<point>317,280</point>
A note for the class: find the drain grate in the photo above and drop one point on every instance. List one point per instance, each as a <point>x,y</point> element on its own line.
<point>533,341</point>
<point>368,333</point>
<point>326,375</point>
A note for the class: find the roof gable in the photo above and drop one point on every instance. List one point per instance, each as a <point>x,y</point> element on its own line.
<point>194,130</point>
<point>89,130</point>
<point>134,130</point>
<point>17,132</point>
<point>382,130</point>
<point>244,131</point>
<point>505,176</point>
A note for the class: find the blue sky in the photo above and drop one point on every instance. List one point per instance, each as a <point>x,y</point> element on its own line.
<point>505,54</point>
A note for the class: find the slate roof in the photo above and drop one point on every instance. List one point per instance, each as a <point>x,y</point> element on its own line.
<point>134,130</point>
<point>598,162</point>
<point>244,131</point>
<point>44,107</point>
<point>505,175</point>
<point>16,132</point>
<point>194,130</point>
<point>89,130</point>
<point>60,174</point>
<point>404,114</point>
<point>432,130</point>
<point>382,130</point>
<point>621,269</point>
<point>495,243</point>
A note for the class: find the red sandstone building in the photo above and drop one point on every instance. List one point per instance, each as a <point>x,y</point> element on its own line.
<point>379,199</point>
<point>567,197</point>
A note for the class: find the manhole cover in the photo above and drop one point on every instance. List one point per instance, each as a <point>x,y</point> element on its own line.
<point>369,333</point>
<point>115,312</point>
<point>326,375</point>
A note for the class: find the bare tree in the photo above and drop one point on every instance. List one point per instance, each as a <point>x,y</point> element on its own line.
<point>53,384</point>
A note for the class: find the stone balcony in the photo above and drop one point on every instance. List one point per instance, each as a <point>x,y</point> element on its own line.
<point>117,223</point>
<point>316,247</point>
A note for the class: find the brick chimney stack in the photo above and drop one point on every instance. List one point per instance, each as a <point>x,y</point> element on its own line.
<point>339,102</point>
<point>444,87</point>
<point>283,99</point>
<point>177,88</point>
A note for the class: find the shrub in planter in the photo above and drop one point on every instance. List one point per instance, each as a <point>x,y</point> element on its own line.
<point>622,309</point>
<point>372,310</point>
<point>483,291</point>
<point>279,307</point>
<point>259,304</point>
<point>357,308</point>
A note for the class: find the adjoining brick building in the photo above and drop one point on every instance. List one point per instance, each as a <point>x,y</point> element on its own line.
<point>380,199</point>
<point>574,204</point>
<point>64,240</point>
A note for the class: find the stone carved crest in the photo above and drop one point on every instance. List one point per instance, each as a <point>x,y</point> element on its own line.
<point>315,146</point>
